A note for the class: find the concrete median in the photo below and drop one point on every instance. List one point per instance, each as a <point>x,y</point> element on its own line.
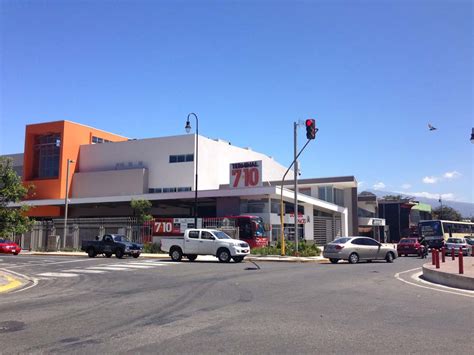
<point>448,274</point>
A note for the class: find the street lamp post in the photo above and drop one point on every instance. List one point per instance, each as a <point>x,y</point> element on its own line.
<point>66,202</point>
<point>188,129</point>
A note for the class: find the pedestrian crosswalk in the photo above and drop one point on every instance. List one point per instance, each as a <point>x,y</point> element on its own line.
<point>103,268</point>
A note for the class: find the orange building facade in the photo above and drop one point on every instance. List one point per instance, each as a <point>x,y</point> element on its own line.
<point>48,146</point>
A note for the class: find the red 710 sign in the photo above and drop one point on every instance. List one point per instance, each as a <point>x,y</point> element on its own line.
<point>248,174</point>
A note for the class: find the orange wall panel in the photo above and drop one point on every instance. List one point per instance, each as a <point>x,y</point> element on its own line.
<point>44,211</point>
<point>73,135</point>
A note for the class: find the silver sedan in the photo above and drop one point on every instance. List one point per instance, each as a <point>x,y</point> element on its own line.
<point>354,249</point>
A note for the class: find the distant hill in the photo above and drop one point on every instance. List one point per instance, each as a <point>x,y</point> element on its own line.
<point>465,208</point>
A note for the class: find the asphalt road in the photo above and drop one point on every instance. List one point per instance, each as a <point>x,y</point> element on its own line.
<point>208,307</point>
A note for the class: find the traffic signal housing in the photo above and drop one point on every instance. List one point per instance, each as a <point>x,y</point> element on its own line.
<point>311,128</point>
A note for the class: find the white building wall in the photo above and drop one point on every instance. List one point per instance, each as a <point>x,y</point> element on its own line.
<point>215,156</point>
<point>214,159</point>
<point>153,153</point>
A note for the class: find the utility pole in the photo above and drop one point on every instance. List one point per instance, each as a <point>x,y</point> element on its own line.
<point>295,138</point>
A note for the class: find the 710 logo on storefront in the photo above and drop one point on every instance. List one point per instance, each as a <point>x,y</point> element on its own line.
<point>246,174</point>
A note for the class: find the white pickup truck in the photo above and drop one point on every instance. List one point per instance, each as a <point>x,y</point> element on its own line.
<point>205,242</point>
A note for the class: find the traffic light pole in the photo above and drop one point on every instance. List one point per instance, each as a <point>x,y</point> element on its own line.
<point>282,234</point>
<point>295,138</point>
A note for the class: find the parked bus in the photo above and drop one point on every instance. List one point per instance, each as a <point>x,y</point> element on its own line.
<point>436,232</point>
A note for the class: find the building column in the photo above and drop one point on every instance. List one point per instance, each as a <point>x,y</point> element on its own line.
<point>345,222</point>
<point>309,225</point>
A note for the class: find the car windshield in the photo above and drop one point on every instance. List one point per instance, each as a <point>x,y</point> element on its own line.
<point>407,241</point>
<point>2,240</point>
<point>455,241</point>
<point>221,235</point>
<point>340,240</point>
<point>121,238</point>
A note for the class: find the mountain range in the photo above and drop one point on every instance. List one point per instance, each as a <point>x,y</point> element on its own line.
<point>465,208</point>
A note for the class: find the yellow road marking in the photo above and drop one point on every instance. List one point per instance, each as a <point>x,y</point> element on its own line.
<point>12,284</point>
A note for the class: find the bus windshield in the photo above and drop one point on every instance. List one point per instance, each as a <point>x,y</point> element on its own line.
<point>431,229</point>
<point>259,230</point>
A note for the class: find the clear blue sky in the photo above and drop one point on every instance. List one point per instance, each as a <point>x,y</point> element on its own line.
<point>372,73</point>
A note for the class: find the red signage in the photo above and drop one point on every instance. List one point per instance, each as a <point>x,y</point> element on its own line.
<point>246,174</point>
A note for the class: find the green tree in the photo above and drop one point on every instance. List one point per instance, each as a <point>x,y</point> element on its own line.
<point>12,220</point>
<point>447,213</point>
<point>141,210</point>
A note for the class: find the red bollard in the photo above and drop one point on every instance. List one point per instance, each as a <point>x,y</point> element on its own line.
<point>461,263</point>
<point>443,251</point>
<point>452,253</point>
<point>437,259</point>
<point>432,256</point>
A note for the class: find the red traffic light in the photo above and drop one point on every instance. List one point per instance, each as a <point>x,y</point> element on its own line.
<point>311,128</point>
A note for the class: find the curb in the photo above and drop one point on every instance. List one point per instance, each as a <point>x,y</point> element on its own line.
<point>461,282</point>
<point>12,283</point>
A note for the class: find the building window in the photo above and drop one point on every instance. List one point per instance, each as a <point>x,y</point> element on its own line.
<point>339,197</point>
<point>46,156</point>
<point>326,193</point>
<point>155,190</point>
<point>183,189</point>
<point>99,140</point>
<point>181,158</point>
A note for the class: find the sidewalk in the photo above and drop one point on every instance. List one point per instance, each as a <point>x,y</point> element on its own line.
<point>448,273</point>
<point>272,258</point>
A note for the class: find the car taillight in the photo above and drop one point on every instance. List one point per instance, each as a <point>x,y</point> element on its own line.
<point>339,247</point>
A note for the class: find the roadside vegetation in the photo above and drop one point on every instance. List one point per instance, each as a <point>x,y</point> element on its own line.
<point>304,249</point>
<point>12,220</point>
<point>152,248</point>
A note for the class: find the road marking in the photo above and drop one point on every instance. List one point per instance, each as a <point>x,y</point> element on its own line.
<point>125,266</point>
<point>12,284</point>
<point>58,274</point>
<point>397,276</point>
<point>32,279</point>
<point>148,263</point>
<point>50,263</point>
<point>80,271</point>
<point>109,268</point>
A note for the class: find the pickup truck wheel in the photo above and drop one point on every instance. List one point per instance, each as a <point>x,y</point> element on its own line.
<point>238,259</point>
<point>119,253</point>
<point>176,254</point>
<point>192,257</point>
<point>136,255</point>
<point>223,255</point>
<point>91,252</point>
<point>108,255</point>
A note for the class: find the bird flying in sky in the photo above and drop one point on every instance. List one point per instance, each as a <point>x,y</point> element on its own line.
<point>432,128</point>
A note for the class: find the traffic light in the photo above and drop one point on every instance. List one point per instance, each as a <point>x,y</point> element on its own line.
<point>311,128</point>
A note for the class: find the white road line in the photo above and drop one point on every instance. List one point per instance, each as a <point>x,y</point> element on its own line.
<point>51,263</point>
<point>109,268</point>
<point>32,279</point>
<point>397,276</point>
<point>80,271</point>
<point>147,264</point>
<point>58,274</point>
<point>125,266</point>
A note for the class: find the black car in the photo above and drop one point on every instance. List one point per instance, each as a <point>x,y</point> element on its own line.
<point>112,244</point>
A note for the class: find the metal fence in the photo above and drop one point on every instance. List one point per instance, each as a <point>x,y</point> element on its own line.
<point>49,235</point>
